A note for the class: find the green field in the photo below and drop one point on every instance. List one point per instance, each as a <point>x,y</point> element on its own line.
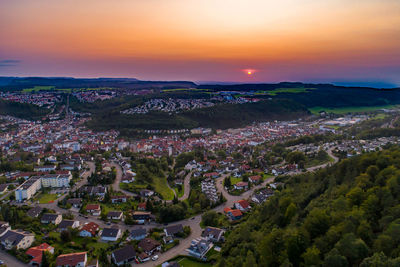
<point>161,187</point>
<point>38,88</point>
<point>284,90</point>
<point>46,198</point>
<point>345,110</point>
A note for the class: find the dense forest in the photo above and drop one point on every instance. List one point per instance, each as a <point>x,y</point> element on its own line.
<point>345,215</point>
<point>22,110</point>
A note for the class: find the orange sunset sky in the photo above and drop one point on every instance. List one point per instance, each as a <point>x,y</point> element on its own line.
<point>355,41</point>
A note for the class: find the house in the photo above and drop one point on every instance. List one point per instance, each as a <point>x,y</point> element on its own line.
<point>149,246</point>
<point>233,214</point>
<point>37,252</point>
<point>75,202</point>
<point>89,230</point>
<point>142,206</point>
<point>127,178</point>
<point>146,193</point>
<point>111,234</point>
<point>242,205</point>
<point>241,186</point>
<point>143,257</point>
<point>255,179</point>
<point>93,209</point>
<point>138,234</point>
<point>213,234</point>
<point>199,248</point>
<point>4,227</point>
<point>17,239</point>
<point>51,218</point>
<point>119,199</point>
<point>124,255</point>
<point>168,239</point>
<point>98,191</point>
<point>115,215</point>
<point>178,182</point>
<point>34,212</point>
<point>142,216</point>
<point>173,230</point>
<point>65,224</point>
<point>72,260</point>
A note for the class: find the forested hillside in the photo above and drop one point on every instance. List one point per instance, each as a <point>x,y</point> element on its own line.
<point>219,117</point>
<point>346,215</point>
<point>22,110</point>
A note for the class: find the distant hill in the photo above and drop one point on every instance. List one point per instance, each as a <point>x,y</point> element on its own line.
<point>19,83</point>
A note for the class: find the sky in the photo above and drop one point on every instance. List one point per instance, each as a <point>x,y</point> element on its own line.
<point>341,41</point>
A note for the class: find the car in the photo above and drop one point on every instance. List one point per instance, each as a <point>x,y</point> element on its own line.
<point>193,218</point>
<point>1,262</point>
<point>155,257</point>
<point>108,223</point>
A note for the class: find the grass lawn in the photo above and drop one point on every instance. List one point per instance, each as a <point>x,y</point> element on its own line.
<point>159,184</point>
<point>46,198</point>
<point>345,110</point>
<point>179,193</point>
<point>161,187</point>
<point>235,180</point>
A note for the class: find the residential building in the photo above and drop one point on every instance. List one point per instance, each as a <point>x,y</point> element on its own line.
<point>124,255</point>
<point>138,234</point>
<point>17,239</point>
<point>51,218</point>
<point>72,260</point>
<point>111,234</point>
<point>89,230</point>
<point>65,224</point>
<point>213,234</point>
<point>37,252</point>
<point>149,246</point>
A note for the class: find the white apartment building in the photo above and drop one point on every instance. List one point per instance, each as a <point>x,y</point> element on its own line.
<point>31,186</point>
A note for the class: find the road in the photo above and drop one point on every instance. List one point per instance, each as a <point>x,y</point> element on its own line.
<point>186,186</point>
<point>10,260</point>
<point>117,181</point>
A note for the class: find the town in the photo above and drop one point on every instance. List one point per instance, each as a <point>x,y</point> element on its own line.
<point>84,198</point>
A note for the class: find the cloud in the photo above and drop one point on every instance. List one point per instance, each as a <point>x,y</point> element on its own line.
<point>9,62</point>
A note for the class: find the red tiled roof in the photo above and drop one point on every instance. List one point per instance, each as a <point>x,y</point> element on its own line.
<point>236,213</point>
<point>243,203</point>
<point>71,259</point>
<point>92,207</point>
<point>91,228</point>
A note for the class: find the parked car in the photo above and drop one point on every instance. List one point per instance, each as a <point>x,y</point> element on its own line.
<point>155,257</point>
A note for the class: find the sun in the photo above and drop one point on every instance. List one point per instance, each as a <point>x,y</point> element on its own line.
<point>249,72</point>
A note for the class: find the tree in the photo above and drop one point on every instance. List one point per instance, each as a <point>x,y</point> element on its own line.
<point>210,218</point>
<point>227,182</point>
<point>312,257</point>
<point>317,222</point>
<point>353,248</point>
<point>45,260</point>
<point>65,236</point>
<point>250,260</point>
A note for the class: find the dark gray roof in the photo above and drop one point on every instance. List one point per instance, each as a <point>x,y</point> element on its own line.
<point>34,212</point>
<point>110,232</point>
<point>114,213</point>
<point>126,253</point>
<point>65,224</point>
<point>138,232</point>
<point>13,237</point>
<point>174,229</point>
<point>49,216</point>
<point>211,231</point>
